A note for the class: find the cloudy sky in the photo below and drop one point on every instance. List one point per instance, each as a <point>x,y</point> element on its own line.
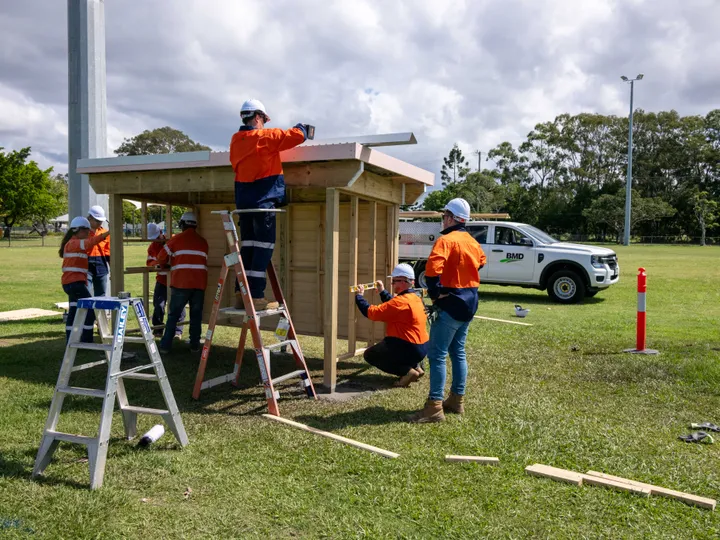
<point>473,72</point>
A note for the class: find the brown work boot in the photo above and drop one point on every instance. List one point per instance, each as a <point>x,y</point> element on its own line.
<point>432,412</point>
<point>410,377</point>
<point>239,302</point>
<point>454,404</point>
<point>420,371</point>
<point>261,304</point>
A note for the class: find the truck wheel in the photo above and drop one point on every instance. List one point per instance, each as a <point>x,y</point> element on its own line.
<point>420,274</point>
<point>566,287</point>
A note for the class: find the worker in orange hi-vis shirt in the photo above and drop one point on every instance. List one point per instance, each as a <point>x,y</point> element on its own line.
<point>259,183</point>
<point>406,337</point>
<point>155,234</point>
<point>99,258</point>
<point>187,255</point>
<point>74,250</point>
<point>452,273</point>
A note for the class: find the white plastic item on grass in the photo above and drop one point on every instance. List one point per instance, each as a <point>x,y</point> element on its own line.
<point>153,435</point>
<point>521,312</point>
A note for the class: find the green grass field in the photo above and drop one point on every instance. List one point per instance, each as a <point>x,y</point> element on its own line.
<point>559,392</point>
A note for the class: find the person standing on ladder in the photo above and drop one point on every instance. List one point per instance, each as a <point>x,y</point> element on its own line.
<point>259,183</point>
<point>405,343</point>
<point>187,254</point>
<point>160,292</point>
<point>74,250</point>
<point>99,259</point>
<point>453,277</point>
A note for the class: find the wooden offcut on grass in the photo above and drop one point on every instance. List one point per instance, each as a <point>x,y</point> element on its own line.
<point>559,392</point>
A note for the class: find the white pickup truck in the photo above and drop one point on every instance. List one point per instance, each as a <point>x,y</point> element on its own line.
<point>521,255</point>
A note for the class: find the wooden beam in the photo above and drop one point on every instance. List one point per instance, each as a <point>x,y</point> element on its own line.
<point>356,352</point>
<point>614,484</point>
<point>143,236</point>
<point>353,264</point>
<point>140,270</point>
<point>117,256</point>
<point>418,214</point>
<point>502,320</point>
<point>332,246</point>
<point>373,261</point>
<point>375,187</point>
<point>168,235</point>
<point>561,475</point>
<point>687,498</point>
<point>473,459</point>
<point>339,438</point>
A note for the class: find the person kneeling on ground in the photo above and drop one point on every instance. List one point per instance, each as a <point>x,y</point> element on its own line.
<point>160,292</point>
<point>405,344</point>
<point>187,254</point>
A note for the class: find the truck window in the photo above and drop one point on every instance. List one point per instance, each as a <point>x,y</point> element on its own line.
<point>509,237</point>
<point>479,233</point>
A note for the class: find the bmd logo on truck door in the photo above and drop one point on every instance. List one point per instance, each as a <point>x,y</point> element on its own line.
<point>512,257</point>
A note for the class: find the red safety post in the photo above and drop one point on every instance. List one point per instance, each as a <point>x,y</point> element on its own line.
<point>641,316</point>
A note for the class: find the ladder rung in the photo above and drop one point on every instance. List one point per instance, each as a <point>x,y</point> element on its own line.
<point>78,391</point>
<point>91,346</point>
<point>133,370</point>
<point>259,314</point>
<point>134,339</point>
<point>287,376</point>
<point>78,439</point>
<point>222,379</point>
<point>89,365</point>
<point>279,345</point>
<point>141,376</point>
<point>144,410</point>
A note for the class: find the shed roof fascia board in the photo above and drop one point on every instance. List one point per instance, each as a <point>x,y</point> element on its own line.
<point>383,139</point>
<point>398,166</point>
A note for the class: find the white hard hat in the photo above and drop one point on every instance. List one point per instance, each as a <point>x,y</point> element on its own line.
<point>189,217</point>
<point>79,223</point>
<point>98,212</point>
<point>153,231</point>
<point>459,208</point>
<point>403,270</point>
<point>251,106</point>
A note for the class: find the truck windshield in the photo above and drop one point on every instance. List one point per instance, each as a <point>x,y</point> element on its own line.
<point>539,235</point>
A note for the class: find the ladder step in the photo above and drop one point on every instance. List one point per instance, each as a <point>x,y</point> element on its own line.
<point>78,391</point>
<point>141,376</point>
<point>144,410</point>
<point>67,437</point>
<point>92,346</point>
<point>287,376</point>
<point>89,365</point>
<point>279,345</point>
<point>222,379</point>
<point>134,339</point>
<point>133,370</point>
<point>259,314</point>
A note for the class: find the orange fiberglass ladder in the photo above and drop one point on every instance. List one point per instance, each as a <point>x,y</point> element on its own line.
<point>251,322</point>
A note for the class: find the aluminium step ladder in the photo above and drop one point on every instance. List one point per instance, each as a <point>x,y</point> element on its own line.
<point>112,346</point>
<point>251,323</point>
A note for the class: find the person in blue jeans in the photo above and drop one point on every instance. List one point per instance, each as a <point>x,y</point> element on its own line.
<point>452,275</point>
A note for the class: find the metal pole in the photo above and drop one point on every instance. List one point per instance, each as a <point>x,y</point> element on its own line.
<point>628,183</point>
<point>87,102</point>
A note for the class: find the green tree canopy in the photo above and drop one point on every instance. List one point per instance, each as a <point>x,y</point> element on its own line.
<point>164,140</point>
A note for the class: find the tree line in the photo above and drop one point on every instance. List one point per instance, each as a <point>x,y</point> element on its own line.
<point>568,177</point>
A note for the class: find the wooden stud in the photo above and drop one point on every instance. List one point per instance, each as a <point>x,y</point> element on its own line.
<point>373,261</point>
<point>561,475</point>
<point>330,327</point>
<point>502,320</point>
<point>143,236</point>
<point>693,500</point>
<point>613,484</point>
<point>356,352</point>
<point>168,235</point>
<point>353,263</point>
<point>339,438</point>
<point>117,258</point>
<point>473,459</point>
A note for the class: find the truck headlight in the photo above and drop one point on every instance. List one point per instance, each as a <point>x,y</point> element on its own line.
<point>597,261</point>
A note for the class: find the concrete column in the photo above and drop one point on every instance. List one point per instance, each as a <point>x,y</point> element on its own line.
<point>87,100</point>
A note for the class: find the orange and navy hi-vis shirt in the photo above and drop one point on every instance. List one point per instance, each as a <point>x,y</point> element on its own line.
<point>75,259</point>
<point>405,321</point>
<point>99,257</point>
<point>453,270</point>
<point>152,252</point>
<point>255,158</point>
<point>187,254</point>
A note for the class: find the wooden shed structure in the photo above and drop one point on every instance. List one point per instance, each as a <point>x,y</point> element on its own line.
<point>339,228</point>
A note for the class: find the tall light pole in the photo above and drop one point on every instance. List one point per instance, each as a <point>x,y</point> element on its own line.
<point>628,183</point>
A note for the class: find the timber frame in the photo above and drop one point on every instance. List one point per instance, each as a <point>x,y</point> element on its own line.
<point>339,228</point>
